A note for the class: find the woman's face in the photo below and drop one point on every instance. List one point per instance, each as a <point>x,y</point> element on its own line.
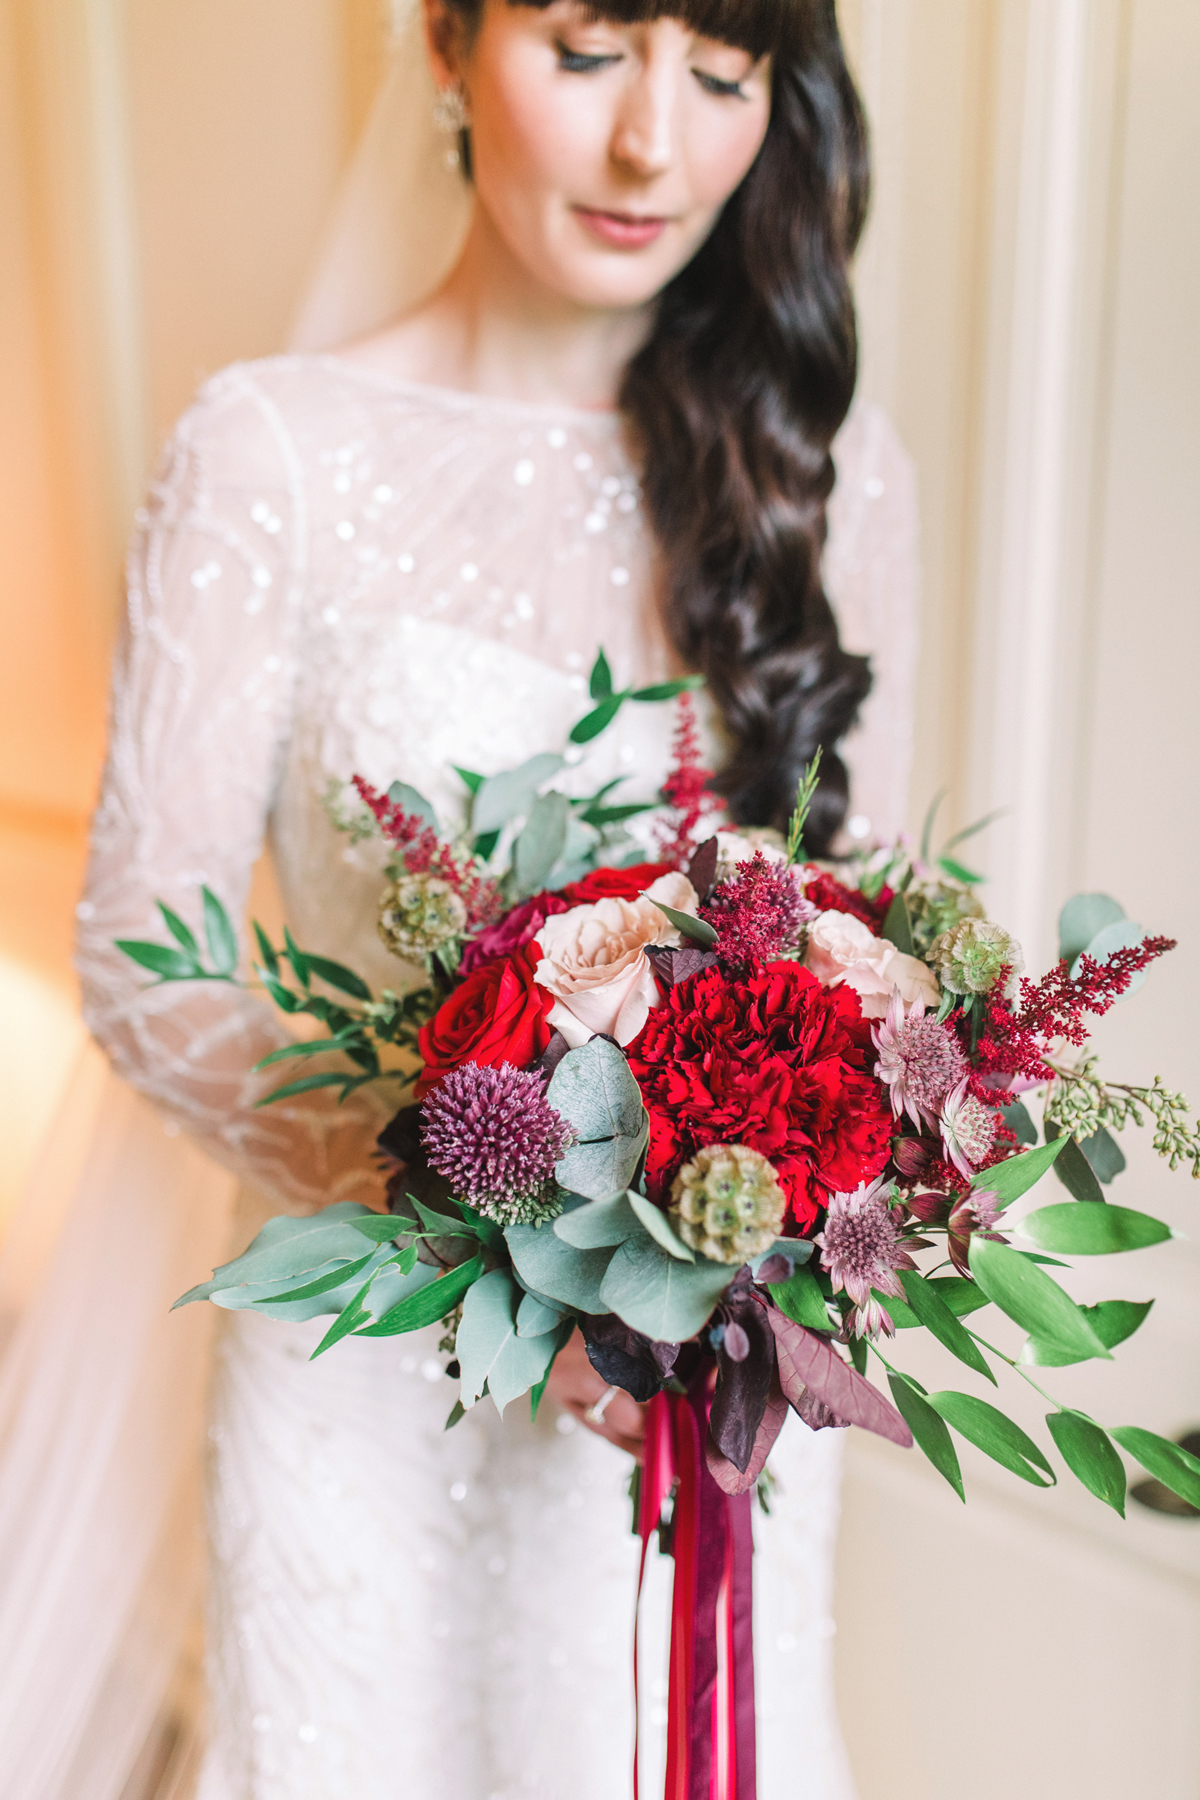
<point>601,152</point>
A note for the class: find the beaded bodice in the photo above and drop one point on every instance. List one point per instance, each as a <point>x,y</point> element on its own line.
<point>339,573</point>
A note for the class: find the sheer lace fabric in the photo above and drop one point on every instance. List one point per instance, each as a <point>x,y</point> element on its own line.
<point>337,573</point>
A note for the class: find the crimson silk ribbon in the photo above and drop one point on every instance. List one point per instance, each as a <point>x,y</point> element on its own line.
<point>710,1706</point>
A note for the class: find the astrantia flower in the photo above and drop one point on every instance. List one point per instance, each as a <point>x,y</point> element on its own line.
<point>918,1059</point>
<point>419,914</point>
<point>772,1060</point>
<point>757,916</point>
<point>971,958</point>
<point>494,1136</point>
<point>968,1129</point>
<point>977,1213</point>
<point>728,1203</point>
<point>861,1249</point>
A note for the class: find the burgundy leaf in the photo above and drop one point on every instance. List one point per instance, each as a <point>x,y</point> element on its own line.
<point>807,1360</point>
<point>702,870</point>
<point>743,1385</point>
<point>816,1415</point>
<point>735,1343</point>
<point>552,1055</point>
<point>672,966</point>
<point>626,1358</point>
<point>723,1472</point>
<point>775,1268</point>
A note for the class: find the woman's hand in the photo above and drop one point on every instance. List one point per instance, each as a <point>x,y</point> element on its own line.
<point>575,1386</point>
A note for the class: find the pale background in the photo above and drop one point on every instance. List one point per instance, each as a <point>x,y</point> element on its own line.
<point>1030,292</point>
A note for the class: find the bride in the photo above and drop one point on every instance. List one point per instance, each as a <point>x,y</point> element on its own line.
<point>615,421</point>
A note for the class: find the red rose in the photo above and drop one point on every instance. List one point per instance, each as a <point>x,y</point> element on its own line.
<point>774,1061</point>
<point>498,1015</point>
<point>513,931</point>
<point>828,895</point>
<point>614,884</point>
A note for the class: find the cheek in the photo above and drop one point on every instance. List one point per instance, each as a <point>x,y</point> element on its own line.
<point>529,138</point>
<point>718,154</point>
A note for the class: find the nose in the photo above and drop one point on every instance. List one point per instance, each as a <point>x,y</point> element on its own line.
<point>643,138</point>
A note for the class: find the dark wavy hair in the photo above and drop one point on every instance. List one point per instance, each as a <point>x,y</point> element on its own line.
<point>734,402</point>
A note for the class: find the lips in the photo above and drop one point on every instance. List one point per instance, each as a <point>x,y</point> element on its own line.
<point>622,231</point>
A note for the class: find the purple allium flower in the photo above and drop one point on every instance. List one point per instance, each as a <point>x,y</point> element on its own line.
<point>919,1059</point>
<point>494,1136</point>
<point>861,1249</point>
<point>968,1129</point>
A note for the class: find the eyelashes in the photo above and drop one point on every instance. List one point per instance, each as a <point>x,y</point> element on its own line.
<point>579,62</point>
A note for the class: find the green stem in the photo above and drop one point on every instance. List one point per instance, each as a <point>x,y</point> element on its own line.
<point>1016,1366</point>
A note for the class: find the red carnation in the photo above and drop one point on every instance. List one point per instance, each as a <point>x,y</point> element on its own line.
<point>614,884</point>
<point>498,1015</point>
<point>774,1061</point>
<point>830,895</point>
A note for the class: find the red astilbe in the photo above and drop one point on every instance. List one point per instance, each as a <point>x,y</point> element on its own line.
<point>425,854</point>
<point>686,789</point>
<point>756,915</point>
<point>1013,1042</point>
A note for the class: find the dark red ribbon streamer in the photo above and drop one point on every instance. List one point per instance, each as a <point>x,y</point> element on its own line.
<point>710,1705</point>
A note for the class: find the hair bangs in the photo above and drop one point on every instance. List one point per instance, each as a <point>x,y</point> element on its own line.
<point>756,26</point>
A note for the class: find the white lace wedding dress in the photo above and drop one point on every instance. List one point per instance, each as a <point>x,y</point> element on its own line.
<point>340,573</point>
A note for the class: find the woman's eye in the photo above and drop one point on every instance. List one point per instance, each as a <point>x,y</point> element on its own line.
<point>712,84</point>
<point>578,62</point>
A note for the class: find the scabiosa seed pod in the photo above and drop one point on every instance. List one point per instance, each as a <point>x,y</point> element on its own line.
<point>971,958</point>
<point>936,906</point>
<point>727,1203</point>
<point>419,914</point>
<point>495,1138</point>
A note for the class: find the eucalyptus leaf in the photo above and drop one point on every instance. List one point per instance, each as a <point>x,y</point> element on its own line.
<point>660,1228</point>
<point>557,1270</point>
<point>599,1223</point>
<point>1017,1117</point>
<point>1089,1454</point>
<point>657,1294</point>
<point>413,803</point>
<point>511,795</point>
<point>489,1351</point>
<point>1033,1299</point>
<point>995,1434</point>
<point>1074,1170</point>
<point>534,1317</point>
<point>937,1318</point>
<point>222,938</point>
<point>897,926</point>
<point>1081,919</point>
<point>697,931</point>
<point>1122,935</point>
<point>286,1248</point>
<point>929,1429</point>
<point>1009,1180</point>
<point>1105,1155</point>
<point>1092,1230</point>
<point>1112,1320</point>
<point>541,843</point>
<point>593,1089</point>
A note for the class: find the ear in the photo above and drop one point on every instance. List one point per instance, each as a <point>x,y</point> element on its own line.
<point>444,37</point>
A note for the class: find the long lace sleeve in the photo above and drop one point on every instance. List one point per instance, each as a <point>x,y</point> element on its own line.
<point>199,722</point>
<point>872,573</point>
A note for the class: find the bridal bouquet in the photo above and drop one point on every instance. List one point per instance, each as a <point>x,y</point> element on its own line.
<point>742,1119</point>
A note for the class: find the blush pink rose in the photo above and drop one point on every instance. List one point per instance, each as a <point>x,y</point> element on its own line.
<point>841,949</point>
<point>594,961</point>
